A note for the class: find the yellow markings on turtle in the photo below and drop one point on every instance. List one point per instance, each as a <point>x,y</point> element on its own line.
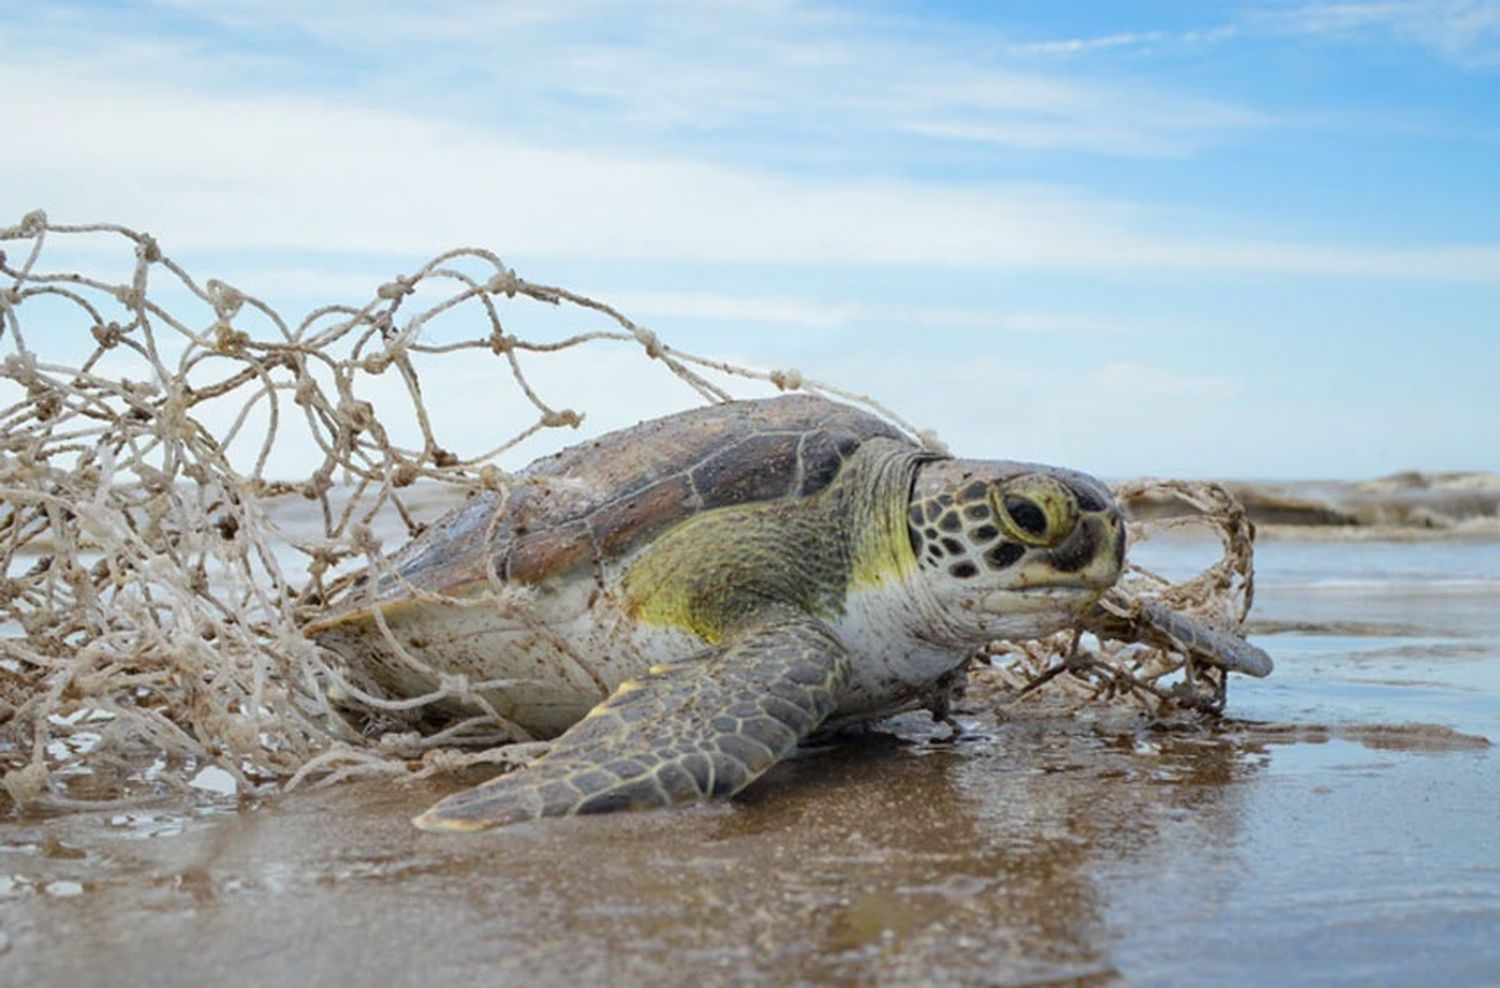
<point>602,707</point>
<point>359,617</point>
<point>653,597</point>
<point>665,586</point>
<point>712,572</point>
<point>882,555</point>
<point>431,821</point>
<point>396,604</point>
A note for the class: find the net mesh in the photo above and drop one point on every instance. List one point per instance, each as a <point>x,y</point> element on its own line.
<point>1158,677</point>
<point>155,581</point>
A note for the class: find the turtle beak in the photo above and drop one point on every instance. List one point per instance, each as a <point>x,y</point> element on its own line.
<point>1094,551</point>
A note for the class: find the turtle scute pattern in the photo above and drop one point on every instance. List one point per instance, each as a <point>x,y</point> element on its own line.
<point>597,502</point>
<point>703,727</point>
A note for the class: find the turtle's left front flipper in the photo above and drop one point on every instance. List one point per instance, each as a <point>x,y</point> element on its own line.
<point>703,727</point>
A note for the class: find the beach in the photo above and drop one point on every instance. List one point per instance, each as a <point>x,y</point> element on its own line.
<point>1339,826</point>
<point>283,285</point>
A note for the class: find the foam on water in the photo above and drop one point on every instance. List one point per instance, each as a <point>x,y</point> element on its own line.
<point>1403,505</point>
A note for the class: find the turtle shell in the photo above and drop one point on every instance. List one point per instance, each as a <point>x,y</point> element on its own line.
<point>596,502</point>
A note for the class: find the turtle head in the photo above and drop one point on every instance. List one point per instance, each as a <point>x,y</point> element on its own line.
<point>1011,550</point>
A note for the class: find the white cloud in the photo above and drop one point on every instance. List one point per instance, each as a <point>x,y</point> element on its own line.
<point>829,314</point>
<point>1132,41</point>
<point>1071,46</point>
<point>1463,31</point>
<point>781,77</point>
<point>298,173</point>
<point>1112,418</point>
<point>775,310</point>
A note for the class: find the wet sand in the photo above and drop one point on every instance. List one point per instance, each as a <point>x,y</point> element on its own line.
<point>1343,828</point>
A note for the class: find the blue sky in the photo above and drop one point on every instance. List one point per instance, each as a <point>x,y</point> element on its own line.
<point>1251,239</point>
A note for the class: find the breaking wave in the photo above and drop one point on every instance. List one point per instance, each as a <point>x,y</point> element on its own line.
<point>1408,504</point>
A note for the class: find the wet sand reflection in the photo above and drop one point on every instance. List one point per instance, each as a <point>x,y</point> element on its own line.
<point>876,860</point>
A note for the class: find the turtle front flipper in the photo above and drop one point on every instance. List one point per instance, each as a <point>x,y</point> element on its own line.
<point>703,727</point>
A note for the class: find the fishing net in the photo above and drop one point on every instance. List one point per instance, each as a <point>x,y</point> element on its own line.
<point>155,579</point>
<point>1120,655</point>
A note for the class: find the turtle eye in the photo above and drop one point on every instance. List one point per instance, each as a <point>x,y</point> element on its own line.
<point>1028,516</point>
<point>1036,510</point>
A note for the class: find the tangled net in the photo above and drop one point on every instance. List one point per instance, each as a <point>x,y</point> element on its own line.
<point>153,590</point>
<point>1114,660</point>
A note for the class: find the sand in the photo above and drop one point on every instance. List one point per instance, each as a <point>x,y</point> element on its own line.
<point>1341,827</point>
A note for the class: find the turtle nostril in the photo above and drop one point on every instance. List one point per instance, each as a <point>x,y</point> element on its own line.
<point>1027,514</point>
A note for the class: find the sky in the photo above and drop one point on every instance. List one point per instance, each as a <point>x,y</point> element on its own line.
<point>1254,240</point>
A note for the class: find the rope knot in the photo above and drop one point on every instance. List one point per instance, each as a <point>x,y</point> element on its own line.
<point>147,249</point>
<point>397,288</point>
<point>651,342</point>
<point>108,335</point>
<point>362,540</point>
<point>787,380</point>
<point>505,283</point>
<point>32,224</point>
<point>454,684</point>
<point>226,299</point>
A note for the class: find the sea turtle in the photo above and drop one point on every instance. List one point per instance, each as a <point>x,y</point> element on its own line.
<point>704,591</point>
